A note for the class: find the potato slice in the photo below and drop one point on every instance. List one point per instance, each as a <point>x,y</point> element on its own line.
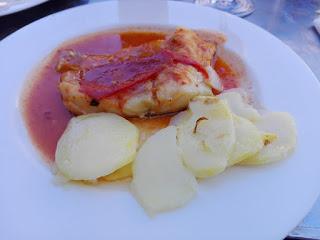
<point>206,139</point>
<point>96,145</point>
<point>275,147</point>
<point>249,140</point>
<point>239,107</point>
<point>160,181</point>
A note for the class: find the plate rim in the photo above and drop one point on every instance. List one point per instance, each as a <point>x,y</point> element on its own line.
<point>252,25</point>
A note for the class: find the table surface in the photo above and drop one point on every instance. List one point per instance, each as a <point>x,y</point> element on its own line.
<point>289,20</point>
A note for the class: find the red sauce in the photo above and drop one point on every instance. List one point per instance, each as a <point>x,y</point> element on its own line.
<point>227,75</point>
<point>121,75</point>
<point>45,115</point>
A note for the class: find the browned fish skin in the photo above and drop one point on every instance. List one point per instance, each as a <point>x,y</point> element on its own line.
<point>171,91</point>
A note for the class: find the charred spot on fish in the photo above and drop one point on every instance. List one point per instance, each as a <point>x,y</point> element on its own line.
<point>94,103</point>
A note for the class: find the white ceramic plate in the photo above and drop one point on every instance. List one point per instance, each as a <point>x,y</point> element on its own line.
<point>20,6</point>
<point>242,203</point>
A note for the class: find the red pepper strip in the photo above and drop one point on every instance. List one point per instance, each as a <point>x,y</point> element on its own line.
<point>114,77</point>
<point>111,78</point>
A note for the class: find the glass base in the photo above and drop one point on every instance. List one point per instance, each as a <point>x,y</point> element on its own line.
<point>240,8</point>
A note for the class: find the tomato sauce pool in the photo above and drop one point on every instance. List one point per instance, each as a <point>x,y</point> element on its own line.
<point>44,113</point>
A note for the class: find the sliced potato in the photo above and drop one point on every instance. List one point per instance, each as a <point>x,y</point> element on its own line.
<point>249,140</point>
<point>206,139</point>
<point>96,145</point>
<point>275,147</point>
<point>239,107</point>
<point>160,181</point>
